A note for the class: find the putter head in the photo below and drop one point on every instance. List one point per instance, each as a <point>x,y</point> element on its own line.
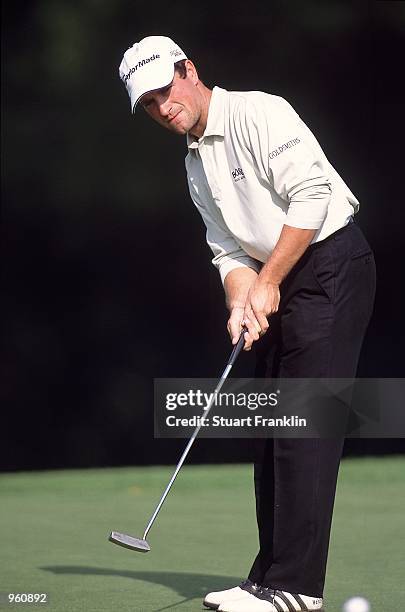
<point>127,541</point>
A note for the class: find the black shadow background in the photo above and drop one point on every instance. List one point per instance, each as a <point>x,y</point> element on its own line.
<point>106,276</point>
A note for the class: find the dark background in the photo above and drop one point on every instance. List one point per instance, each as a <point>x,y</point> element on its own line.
<point>106,277</point>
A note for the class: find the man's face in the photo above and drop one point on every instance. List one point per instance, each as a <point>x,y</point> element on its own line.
<point>177,107</point>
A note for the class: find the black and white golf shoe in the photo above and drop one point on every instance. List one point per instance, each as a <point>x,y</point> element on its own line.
<point>270,600</point>
<point>216,598</point>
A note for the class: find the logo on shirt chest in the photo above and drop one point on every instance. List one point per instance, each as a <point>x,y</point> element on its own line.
<point>238,174</point>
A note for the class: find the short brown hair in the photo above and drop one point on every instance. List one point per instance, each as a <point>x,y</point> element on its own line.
<point>180,68</point>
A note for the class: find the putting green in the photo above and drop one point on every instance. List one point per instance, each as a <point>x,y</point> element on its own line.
<point>55,525</point>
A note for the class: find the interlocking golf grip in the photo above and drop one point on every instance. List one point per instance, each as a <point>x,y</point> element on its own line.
<point>235,352</point>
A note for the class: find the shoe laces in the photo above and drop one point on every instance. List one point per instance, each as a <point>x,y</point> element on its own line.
<point>269,593</point>
<point>251,585</point>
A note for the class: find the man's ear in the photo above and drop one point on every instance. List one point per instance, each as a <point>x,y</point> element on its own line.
<point>192,71</point>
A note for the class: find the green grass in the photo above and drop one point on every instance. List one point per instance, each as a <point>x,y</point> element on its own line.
<point>54,528</point>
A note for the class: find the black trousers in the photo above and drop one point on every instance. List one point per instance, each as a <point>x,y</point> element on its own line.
<point>326,304</point>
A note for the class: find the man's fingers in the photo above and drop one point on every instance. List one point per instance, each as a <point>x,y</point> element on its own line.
<point>255,326</point>
<point>248,342</point>
<point>263,322</point>
<point>251,335</point>
<point>252,324</point>
<point>259,320</point>
<point>235,324</point>
<point>236,333</point>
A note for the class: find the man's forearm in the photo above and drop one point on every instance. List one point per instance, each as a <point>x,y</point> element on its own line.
<point>291,245</point>
<point>252,297</point>
<point>237,284</point>
<point>263,298</point>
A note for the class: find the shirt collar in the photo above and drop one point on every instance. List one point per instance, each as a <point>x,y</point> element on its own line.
<point>216,118</point>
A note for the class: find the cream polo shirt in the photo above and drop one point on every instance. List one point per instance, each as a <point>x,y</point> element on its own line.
<point>258,167</point>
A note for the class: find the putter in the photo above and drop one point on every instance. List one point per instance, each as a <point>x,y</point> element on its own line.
<point>141,545</point>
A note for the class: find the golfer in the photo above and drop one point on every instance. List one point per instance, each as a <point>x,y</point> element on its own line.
<point>294,264</point>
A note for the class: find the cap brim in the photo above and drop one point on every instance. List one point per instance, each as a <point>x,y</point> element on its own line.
<point>152,85</point>
<point>150,91</point>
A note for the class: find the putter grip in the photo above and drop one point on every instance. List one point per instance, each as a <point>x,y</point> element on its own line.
<point>237,348</point>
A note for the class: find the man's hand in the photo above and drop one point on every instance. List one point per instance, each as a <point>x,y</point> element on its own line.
<point>252,297</point>
<point>234,324</point>
<point>263,300</point>
<point>237,284</point>
<point>263,297</point>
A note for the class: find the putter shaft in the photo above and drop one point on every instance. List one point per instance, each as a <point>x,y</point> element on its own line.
<point>128,541</point>
<point>236,350</point>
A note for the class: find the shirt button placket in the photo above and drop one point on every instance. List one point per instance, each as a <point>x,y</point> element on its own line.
<point>210,173</point>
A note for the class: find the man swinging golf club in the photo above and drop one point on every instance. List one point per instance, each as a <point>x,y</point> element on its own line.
<point>293,264</point>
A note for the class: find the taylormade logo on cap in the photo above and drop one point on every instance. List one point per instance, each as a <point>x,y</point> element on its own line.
<point>141,63</point>
<point>149,65</point>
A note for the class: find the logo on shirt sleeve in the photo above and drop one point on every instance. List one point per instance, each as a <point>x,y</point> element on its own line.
<point>238,174</point>
<point>284,147</point>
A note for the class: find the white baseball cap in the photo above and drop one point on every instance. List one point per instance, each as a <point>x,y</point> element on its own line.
<point>149,65</point>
